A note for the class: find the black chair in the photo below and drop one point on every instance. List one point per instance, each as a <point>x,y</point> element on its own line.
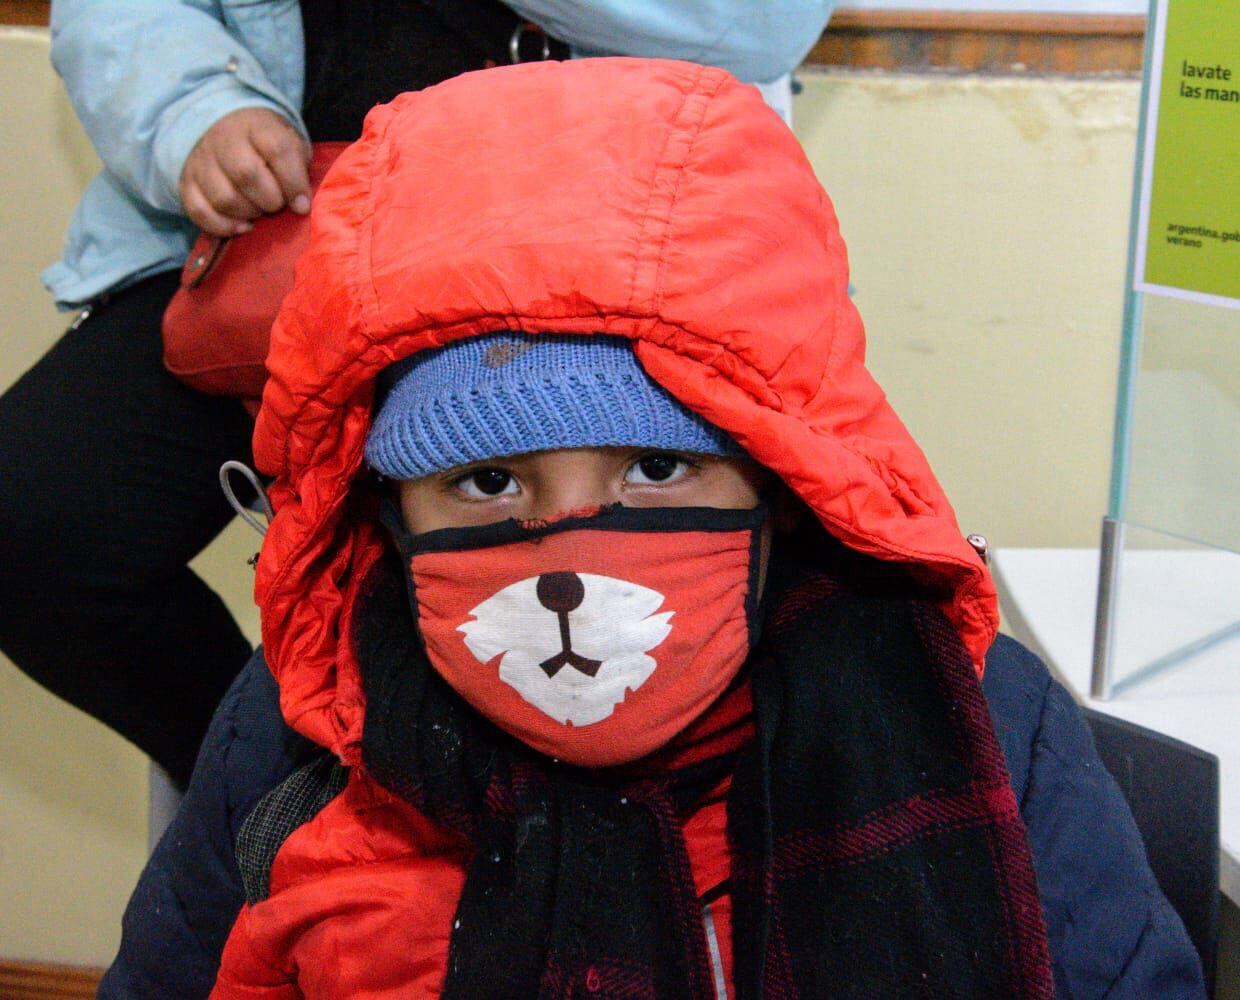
<point>1172,789</point>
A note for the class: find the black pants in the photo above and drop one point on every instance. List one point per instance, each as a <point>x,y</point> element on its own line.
<point>108,487</point>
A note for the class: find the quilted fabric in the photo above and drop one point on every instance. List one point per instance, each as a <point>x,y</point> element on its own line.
<point>1111,931</point>
<point>660,201</point>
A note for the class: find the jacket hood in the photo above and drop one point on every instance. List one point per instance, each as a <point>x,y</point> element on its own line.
<point>661,201</point>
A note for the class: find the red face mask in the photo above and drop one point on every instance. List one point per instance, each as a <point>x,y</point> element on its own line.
<point>593,639</point>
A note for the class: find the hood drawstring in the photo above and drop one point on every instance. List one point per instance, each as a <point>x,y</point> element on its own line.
<point>261,502</point>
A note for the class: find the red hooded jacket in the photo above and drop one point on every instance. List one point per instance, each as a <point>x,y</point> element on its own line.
<point>660,201</point>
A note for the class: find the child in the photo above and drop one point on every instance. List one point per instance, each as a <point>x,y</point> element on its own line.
<point>640,645</point>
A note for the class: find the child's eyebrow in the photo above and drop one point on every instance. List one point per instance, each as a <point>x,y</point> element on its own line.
<point>487,463</point>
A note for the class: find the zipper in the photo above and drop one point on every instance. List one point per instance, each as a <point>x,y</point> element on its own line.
<point>716,957</point>
<point>82,316</point>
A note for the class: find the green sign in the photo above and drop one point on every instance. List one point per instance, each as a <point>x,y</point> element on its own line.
<point>1189,241</point>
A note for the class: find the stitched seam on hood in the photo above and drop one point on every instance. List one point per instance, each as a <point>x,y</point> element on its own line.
<point>674,128</point>
<point>366,232</point>
<point>921,558</point>
<point>665,243</point>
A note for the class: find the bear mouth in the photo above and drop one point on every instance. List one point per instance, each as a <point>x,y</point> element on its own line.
<point>561,594</point>
<point>573,645</point>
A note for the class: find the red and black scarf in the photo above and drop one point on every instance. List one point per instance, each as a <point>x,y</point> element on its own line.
<point>877,846</point>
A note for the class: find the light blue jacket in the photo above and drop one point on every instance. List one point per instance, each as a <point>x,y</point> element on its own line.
<point>148,77</point>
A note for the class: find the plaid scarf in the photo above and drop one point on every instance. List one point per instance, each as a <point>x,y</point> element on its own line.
<point>877,846</point>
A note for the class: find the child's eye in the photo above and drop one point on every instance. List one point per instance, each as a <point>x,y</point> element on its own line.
<point>484,483</point>
<point>658,467</point>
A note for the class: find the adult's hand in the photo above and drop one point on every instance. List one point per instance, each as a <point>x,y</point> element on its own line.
<point>249,163</point>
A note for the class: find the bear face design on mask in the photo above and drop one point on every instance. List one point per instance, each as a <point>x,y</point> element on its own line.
<point>572,645</point>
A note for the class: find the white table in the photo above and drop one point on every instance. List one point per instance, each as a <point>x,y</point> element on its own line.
<point>1048,597</point>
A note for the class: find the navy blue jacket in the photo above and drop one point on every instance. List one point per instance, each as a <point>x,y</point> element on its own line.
<point>1112,933</point>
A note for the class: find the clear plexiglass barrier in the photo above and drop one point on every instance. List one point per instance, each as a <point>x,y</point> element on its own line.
<point>1171,546</point>
<point>1169,597</point>
<point>1184,433</point>
<point>1169,589</point>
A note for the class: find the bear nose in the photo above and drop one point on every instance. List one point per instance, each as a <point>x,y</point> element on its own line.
<point>560,592</point>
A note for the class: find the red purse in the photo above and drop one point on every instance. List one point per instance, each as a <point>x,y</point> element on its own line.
<point>217,327</point>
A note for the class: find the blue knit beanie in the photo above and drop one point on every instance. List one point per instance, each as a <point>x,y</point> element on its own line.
<point>509,393</point>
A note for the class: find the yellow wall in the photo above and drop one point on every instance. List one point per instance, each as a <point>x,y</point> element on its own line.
<point>72,795</point>
<point>987,222</point>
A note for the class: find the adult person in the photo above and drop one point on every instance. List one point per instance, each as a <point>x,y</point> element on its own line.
<point>200,111</point>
